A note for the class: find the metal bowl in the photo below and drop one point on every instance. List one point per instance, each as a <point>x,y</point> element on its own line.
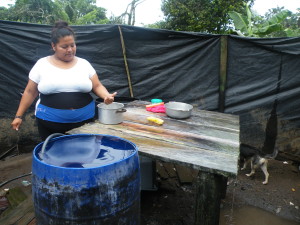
<point>178,110</point>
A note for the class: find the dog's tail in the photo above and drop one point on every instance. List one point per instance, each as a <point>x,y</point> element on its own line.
<point>273,155</point>
<point>249,150</point>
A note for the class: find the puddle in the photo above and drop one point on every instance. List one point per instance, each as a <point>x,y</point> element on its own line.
<point>248,215</point>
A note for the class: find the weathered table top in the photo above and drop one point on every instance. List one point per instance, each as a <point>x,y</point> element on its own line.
<point>207,141</point>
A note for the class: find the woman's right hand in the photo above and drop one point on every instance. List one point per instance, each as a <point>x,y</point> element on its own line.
<point>110,98</point>
<point>16,123</point>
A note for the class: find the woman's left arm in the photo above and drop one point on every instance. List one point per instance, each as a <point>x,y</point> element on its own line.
<point>101,91</point>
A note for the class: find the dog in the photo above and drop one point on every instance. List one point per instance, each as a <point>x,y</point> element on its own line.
<point>256,158</point>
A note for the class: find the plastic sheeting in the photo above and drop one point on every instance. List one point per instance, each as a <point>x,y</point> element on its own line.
<point>263,88</point>
<point>263,80</point>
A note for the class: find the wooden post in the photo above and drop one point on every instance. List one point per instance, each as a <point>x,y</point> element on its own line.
<point>224,187</point>
<point>208,198</point>
<point>223,73</point>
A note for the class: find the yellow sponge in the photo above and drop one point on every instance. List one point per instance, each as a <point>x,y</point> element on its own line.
<point>155,120</point>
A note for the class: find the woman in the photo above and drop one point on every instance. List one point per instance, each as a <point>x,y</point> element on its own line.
<point>63,82</point>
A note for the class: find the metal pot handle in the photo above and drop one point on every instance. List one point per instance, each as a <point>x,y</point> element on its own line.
<point>121,110</point>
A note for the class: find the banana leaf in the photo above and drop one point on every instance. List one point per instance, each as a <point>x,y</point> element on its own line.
<point>240,22</point>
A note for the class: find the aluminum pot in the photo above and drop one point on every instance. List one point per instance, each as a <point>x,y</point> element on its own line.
<point>111,113</point>
<point>178,110</point>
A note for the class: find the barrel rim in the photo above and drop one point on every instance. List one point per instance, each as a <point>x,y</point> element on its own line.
<point>38,147</point>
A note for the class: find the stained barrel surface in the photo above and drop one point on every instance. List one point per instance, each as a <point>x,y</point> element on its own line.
<point>86,179</point>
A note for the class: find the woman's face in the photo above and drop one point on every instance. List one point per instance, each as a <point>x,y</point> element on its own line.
<point>65,49</point>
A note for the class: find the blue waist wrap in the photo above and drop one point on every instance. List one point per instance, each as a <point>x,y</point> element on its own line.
<point>65,115</point>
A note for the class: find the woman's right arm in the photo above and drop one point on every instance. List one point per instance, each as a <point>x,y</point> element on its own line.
<point>30,93</point>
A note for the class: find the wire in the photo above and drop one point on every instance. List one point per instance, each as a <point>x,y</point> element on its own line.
<point>24,175</point>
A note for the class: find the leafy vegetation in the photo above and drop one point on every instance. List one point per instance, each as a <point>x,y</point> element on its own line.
<point>76,12</point>
<point>47,12</point>
<point>210,16</point>
<point>207,16</point>
<point>276,23</point>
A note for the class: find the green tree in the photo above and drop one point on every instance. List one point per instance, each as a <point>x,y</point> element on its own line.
<point>48,11</point>
<point>158,25</point>
<point>35,11</point>
<point>210,16</point>
<point>96,16</point>
<point>83,11</point>
<point>116,20</point>
<point>4,13</point>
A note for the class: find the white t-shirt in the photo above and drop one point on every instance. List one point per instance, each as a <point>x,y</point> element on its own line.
<point>51,79</point>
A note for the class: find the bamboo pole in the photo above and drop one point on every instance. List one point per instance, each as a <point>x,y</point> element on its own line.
<point>125,61</point>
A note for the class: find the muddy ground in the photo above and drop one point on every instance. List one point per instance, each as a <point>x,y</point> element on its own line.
<point>248,201</point>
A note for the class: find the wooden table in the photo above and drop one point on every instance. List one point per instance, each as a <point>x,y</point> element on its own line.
<point>207,141</point>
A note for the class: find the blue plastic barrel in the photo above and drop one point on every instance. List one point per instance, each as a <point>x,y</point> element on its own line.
<point>98,182</point>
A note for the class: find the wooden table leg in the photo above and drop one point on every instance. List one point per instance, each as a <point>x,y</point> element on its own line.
<point>209,192</point>
<point>224,187</point>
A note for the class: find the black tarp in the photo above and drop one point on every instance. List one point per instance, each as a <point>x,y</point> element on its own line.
<point>263,88</point>
<point>263,75</point>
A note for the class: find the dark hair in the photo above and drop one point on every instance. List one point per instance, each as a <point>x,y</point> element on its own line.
<point>61,29</point>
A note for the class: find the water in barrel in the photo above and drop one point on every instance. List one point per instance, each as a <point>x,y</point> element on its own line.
<point>86,152</point>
